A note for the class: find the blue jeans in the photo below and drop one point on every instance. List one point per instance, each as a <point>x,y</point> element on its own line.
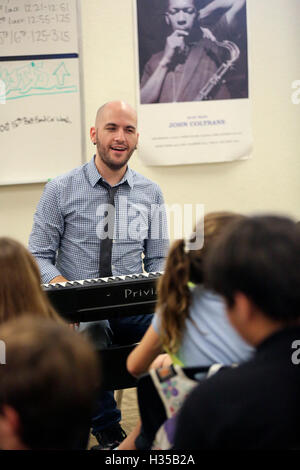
<point>125,330</point>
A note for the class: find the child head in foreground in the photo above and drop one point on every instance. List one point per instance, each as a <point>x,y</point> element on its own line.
<point>47,385</point>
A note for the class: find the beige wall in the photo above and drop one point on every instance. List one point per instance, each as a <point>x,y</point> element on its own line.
<point>269,181</point>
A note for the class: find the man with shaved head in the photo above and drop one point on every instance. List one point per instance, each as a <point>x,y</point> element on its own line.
<point>118,140</point>
<point>100,220</point>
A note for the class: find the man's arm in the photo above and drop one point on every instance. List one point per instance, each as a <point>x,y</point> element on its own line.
<point>151,87</point>
<point>230,7</point>
<point>150,92</point>
<point>48,228</point>
<point>157,244</point>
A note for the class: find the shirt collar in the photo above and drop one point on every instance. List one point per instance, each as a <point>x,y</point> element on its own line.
<point>94,176</point>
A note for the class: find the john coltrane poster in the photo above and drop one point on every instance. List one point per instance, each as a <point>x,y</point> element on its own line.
<point>192,81</point>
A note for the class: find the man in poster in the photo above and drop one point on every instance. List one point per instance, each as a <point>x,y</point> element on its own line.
<point>185,70</point>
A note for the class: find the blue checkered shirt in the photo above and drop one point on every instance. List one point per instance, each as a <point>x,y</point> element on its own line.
<point>69,221</point>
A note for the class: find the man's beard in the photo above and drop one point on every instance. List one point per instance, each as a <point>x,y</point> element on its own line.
<point>105,157</point>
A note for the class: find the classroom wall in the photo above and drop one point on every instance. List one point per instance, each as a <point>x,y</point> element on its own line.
<point>268,181</point>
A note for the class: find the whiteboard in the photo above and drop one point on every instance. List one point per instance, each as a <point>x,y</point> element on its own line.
<point>41,125</point>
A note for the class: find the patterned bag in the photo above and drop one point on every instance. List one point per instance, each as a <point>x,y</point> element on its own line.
<point>173,386</point>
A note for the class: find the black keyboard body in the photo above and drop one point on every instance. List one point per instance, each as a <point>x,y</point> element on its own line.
<point>104,298</point>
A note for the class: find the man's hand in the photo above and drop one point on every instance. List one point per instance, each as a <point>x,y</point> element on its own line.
<point>174,43</point>
<point>58,279</point>
<point>73,326</point>
<point>207,34</point>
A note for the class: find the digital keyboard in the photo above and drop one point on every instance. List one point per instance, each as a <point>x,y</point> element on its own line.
<point>104,298</point>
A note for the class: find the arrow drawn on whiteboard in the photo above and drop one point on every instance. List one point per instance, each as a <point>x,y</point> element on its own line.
<point>37,78</point>
<point>61,72</point>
